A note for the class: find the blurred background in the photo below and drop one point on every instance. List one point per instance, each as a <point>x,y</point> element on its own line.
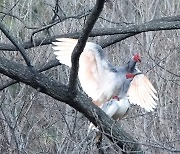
<point>35,123</point>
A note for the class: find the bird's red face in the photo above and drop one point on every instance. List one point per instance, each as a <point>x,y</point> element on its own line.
<point>130,76</point>
<point>137,57</point>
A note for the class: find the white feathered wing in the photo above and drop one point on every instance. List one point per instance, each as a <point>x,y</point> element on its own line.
<point>97,78</point>
<point>95,72</point>
<point>142,92</point>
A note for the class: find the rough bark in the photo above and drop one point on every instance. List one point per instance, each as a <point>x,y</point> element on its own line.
<point>81,103</point>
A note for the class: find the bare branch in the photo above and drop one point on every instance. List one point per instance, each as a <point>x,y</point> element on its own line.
<point>48,66</point>
<point>79,16</point>
<point>119,34</point>
<point>17,45</point>
<point>81,44</point>
<point>168,23</point>
<point>81,103</point>
<point>16,17</point>
<point>2,17</point>
<point>9,83</point>
<point>114,39</point>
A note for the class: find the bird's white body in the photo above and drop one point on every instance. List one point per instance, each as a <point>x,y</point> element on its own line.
<point>116,109</point>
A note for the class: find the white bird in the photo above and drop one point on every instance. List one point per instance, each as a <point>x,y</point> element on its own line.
<point>111,88</point>
<point>102,81</point>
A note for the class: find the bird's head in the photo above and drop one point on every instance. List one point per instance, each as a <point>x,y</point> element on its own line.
<point>137,57</point>
<point>132,63</point>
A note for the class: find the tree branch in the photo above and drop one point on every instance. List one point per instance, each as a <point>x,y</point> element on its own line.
<point>48,66</point>
<point>154,25</point>
<point>81,44</point>
<point>18,46</point>
<point>46,27</point>
<point>18,18</point>
<point>9,83</point>
<point>167,23</point>
<point>81,103</point>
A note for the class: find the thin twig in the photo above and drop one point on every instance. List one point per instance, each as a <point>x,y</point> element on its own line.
<point>58,21</point>
<point>9,10</point>
<point>22,21</point>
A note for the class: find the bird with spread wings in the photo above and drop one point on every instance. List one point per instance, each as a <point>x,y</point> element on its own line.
<point>111,88</point>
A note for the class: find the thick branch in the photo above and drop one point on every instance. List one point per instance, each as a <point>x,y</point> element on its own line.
<point>48,66</point>
<point>154,25</point>
<point>81,44</point>
<point>167,23</point>
<point>114,39</point>
<point>80,102</point>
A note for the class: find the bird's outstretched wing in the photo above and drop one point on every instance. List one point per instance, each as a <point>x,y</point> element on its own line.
<point>142,92</point>
<point>64,48</point>
<point>96,75</point>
